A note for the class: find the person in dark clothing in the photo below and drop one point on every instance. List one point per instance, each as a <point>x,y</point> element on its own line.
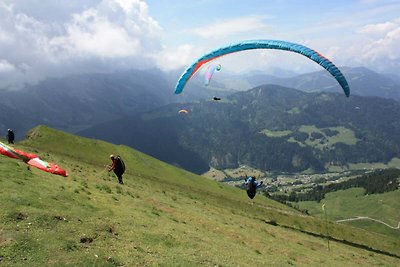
<point>10,136</point>
<point>252,185</point>
<point>118,167</point>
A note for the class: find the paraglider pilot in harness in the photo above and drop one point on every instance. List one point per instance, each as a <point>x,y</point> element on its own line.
<point>252,185</point>
<point>118,167</point>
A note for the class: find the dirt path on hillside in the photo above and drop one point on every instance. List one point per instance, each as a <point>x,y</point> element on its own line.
<point>371,219</point>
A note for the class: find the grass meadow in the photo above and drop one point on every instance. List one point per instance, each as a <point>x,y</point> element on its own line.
<point>161,216</point>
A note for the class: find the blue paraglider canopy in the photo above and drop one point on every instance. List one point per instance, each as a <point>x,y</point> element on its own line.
<point>263,44</point>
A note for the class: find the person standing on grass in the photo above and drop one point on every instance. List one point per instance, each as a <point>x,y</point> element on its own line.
<point>118,166</point>
<point>10,136</point>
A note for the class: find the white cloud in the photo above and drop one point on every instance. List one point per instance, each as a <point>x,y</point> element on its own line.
<point>367,2</point>
<point>224,28</point>
<point>91,34</point>
<point>5,66</point>
<point>4,36</point>
<point>374,45</point>
<point>382,51</point>
<point>171,58</point>
<point>380,28</point>
<point>105,35</point>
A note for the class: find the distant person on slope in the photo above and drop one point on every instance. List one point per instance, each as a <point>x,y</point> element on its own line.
<point>118,166</point>
<point>252,185</point>
<point>10,136</point>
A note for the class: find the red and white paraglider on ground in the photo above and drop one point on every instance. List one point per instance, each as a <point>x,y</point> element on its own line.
<point>32,160</point>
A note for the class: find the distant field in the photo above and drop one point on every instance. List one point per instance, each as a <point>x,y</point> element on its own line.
<point>352,202</point>
<point>214,174</point>
<point>242,171</point>
<point>270,133</point>
<point>338,134</point>
<point>394,163</point>
<point>294,110</point>
<point>344,135</point>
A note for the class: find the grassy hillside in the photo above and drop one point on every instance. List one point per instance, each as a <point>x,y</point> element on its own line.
<point>352,203</point>
<point>161,216</point>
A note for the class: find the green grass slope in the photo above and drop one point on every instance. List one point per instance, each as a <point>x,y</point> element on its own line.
<point>351,203</point>
<point>161,216</point>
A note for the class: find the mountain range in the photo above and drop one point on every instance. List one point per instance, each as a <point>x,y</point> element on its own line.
<point>362,81</point>
<point>77,102</point>
<point>94,101</point>
<point>270,127</point>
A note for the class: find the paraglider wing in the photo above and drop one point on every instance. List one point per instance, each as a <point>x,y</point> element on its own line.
<point>15,153</point>
<point>25,155</point>
<point>183,111</point>
<point>47,166</point>
<point>210,72</point>
<point>8,151</point>
<point>31,159</point>
<point>263,44</point>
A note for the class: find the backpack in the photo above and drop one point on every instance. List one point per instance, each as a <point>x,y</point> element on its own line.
<point>120,165</point>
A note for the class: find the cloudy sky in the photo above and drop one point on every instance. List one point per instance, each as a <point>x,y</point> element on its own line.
<point>47,38</point>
